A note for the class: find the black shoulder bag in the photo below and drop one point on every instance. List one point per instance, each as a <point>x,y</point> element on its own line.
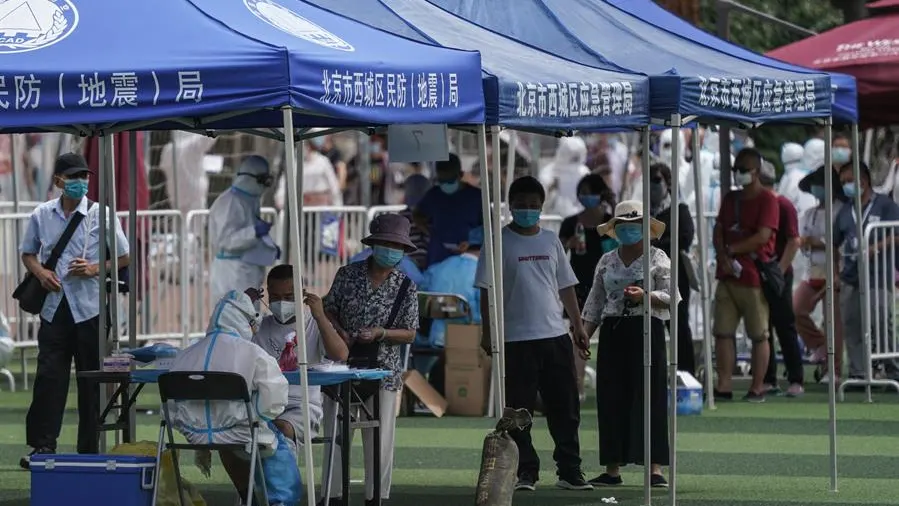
<point>772,277</point>
<point>30,293</point>
<point>365,355</point>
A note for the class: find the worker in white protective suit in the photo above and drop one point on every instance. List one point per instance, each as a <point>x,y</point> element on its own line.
<point>228,347</point>
<point>683,170</point>
<point>561,176</point>
<point>238,236</point>
<point>792,155</point>
<point>813,153</point>
<point>181,161</point>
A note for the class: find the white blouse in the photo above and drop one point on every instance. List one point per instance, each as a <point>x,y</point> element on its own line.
<point>612,277</point>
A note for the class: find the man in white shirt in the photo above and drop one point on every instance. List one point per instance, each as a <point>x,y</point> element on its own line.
<point>538,282</point>
<point>277,336</point>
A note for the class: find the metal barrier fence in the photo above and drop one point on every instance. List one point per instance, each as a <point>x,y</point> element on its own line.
<point>879,336</point>
<point>176,258</point>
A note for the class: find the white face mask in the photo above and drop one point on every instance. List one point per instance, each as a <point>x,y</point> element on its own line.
<point>284,311</point>
<point>743,178</point>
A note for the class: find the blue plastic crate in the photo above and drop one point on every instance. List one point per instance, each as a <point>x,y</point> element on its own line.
<point>92,480</point>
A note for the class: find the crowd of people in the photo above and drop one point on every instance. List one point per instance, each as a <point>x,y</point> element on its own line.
<point>559,290</point>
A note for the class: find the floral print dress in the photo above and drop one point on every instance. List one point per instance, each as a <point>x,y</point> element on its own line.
<point>358,305</point>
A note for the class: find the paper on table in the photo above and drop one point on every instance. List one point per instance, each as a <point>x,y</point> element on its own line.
<point>264,253</point>
<point>329,367</point>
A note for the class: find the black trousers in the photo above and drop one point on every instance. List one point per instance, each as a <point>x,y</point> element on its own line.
<point>686,359</point>
<point>545,366</point>
<point>782,320</point>
<point>620,388</point>
<point>59,341</point>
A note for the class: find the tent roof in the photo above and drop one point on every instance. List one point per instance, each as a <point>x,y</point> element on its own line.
<point>525,87</point>
<point>686,77</point>
<point>204,64</point>
<point>845,103</point>
<point>869,50</point>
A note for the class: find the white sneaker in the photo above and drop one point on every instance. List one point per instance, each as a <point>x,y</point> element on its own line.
<point>825,380</point>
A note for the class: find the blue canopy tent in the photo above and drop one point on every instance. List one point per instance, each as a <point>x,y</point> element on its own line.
<point>225,65</point>
<point>693,75</point>
<point>687,78</point>
<point>690,80</point>
<point>104,66</point>
<point>845,100</point>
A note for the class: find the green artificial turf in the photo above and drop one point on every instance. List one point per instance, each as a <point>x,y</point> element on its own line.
<point>772,454</point>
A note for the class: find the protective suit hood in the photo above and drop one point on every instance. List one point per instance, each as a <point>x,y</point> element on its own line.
<point>571,151</point>
<point>665,146</point>
<point>792,154</point>
<point>234,314</point>
<point>814,154</point>
<point>562,175</point>
<point>256,166</point>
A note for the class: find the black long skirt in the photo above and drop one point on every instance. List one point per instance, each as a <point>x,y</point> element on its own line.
<point>619,392</point>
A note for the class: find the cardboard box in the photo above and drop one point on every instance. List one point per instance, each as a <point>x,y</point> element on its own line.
<point>417,385</point>
<point>463,346</point>
<point>468,388</point>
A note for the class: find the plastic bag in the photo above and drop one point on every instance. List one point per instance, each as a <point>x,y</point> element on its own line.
<point>499,460</point>
<point>282,475</point>
<point>155,351</point>
<point>167,495</point>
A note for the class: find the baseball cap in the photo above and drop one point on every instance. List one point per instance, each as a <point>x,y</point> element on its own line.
<point>767,174</point>
<point>69,164</point>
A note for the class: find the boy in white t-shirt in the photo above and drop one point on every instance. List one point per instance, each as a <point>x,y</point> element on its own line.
<point>537,283</point>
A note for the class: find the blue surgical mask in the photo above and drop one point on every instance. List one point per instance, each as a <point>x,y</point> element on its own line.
<point>318,142</point>
<point>449,188</point>
<point>75,188</point>
<point>629,233</point>
<point>589,201</point>
<point>850,189</point>
<point>526,218</point>
<point>817,191</point>
<point>387,257</point>
<point>841,155</point>
<point>375,148</point>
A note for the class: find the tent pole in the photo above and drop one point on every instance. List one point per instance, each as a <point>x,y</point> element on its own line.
<point>102,228</point>
<point>111,239</point>
<point>487,252</point>
<point>497,224</point>
<point>113,282</point>
<point>647,329</point>
<point>21,326</point>
<point>510,162</point>
<point>136,271</point>
<point>295,210</point>
<point>702,240</point>
<point>673,309</point>
<point>829,323</point>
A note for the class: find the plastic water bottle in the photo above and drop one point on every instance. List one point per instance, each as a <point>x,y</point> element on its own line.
<point>581,237</point>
